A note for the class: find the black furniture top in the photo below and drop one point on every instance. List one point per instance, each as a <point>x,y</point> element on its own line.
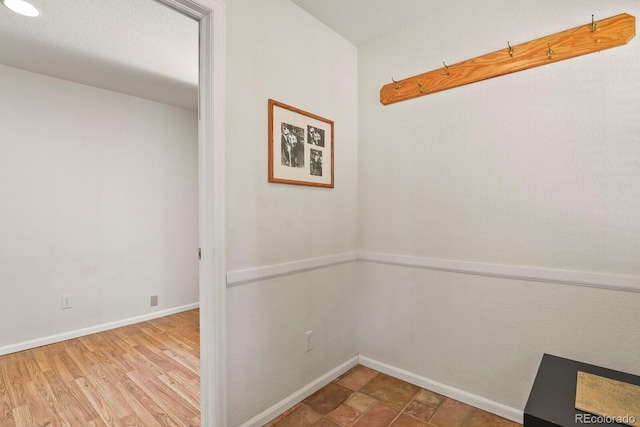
<point>552,398</point>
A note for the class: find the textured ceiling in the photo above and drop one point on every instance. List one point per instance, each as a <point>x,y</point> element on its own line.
<point>138,47</point>
<point>142,48</point>
<point>362,20</point>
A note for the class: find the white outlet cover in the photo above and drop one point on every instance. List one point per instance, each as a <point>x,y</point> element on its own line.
<point>308,341</point>
<point>66,302</point>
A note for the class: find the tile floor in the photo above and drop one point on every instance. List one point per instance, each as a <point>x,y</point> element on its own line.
<point>364,397</point>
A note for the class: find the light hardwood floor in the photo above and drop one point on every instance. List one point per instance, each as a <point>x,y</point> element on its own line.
<point>145,375</point>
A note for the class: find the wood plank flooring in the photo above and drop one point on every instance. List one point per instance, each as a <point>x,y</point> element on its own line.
<point>147,374</point>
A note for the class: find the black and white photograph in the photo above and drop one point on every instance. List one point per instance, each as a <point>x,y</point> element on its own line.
<point>292,143</point>
<point>315,136</point>
<point>300,147</point>
<point>316,162</point>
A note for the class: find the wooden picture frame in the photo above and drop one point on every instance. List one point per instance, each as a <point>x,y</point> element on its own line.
<point>300,147</point>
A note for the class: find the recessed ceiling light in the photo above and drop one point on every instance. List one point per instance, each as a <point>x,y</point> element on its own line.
<point>21,7</point>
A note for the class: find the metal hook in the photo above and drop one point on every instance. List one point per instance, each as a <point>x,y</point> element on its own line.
<point>421,87</point>
<point>593,24</point>
<point>397,85</point>
<point>510,50</point>
<point>446,68</point>
<point>550,52</point>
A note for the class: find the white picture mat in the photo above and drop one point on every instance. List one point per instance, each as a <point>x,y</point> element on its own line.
<point>280,171</point>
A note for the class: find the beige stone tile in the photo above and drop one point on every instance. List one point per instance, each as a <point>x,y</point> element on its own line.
<point>325,422</point>
<point>380,415</point>
<point>360,402</point>
<point>344,415</point>
<point>327,398</point>
<point>358,377</point>
<point>303,417</point>
<point>405,420</point>
<point>419,410</point>
<point>430,398</point>
<point>480,418</point>
<point>390,390</point>
<point>451,413</point>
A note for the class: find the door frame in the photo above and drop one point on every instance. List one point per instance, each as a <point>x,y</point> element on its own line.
<point>211,201</point>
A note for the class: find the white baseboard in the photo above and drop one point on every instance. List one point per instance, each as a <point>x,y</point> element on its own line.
<point>26,345</point>
<point>445,390</point>
<point>300,395</point>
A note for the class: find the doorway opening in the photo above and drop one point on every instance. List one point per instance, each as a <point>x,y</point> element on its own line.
<point>210,195</point>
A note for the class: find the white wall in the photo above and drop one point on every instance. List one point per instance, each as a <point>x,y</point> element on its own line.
<point>99,201</point>
<point>538,169</point>
<point>276,50</point>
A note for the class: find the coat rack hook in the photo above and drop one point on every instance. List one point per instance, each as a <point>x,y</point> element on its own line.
<point>611,32</point>
<point>446,68</point>
<point>397,84</point>
<point>510,50</point>
<point>593,25</point>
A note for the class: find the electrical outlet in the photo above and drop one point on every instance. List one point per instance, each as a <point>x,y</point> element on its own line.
<point>154,300</point>
<point>308,341</point>
<point>66,302</point>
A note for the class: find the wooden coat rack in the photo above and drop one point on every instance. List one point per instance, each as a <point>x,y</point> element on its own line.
<point>593,37</point>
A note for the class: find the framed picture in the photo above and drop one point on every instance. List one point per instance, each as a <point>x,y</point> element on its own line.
<point>300,147</point>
